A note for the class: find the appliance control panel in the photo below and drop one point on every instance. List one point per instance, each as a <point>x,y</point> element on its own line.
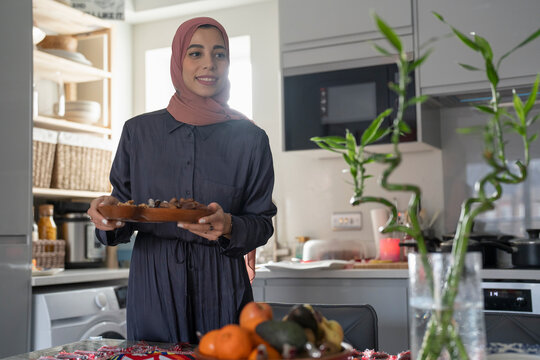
<point>512,297</point>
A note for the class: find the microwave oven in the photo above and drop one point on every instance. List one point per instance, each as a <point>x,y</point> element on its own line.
<point>329,103</point>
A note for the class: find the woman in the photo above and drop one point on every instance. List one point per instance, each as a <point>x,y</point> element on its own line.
<point>189,278</point>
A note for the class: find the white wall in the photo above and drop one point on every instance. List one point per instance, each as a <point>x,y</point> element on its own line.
<point>307,190</point>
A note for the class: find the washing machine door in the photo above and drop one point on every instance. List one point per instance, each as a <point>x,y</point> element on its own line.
<point>107,330</point>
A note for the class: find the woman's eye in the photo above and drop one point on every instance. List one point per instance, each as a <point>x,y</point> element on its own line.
<point>194,54</point>
<point>221,55</point>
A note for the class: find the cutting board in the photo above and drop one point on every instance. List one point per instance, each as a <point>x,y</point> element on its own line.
<point>394,265</point>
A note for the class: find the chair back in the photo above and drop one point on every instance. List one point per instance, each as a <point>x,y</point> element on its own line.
<point>359,322</point>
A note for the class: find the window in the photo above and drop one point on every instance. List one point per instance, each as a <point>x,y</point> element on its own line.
<point>159,88</point>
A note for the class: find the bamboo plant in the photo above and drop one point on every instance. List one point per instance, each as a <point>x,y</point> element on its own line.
<point>441,332</point>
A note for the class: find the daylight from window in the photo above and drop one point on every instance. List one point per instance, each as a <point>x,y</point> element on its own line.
<point>159,87</point>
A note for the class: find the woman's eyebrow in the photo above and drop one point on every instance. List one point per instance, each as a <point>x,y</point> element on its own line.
<point>202,47</point>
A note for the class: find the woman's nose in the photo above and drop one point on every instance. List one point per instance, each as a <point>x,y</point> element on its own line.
<point>209,63</point>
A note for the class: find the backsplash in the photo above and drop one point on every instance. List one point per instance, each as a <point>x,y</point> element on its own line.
<point>519,207</point>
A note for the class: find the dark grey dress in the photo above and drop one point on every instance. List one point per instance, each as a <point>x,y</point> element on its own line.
<point>180,283</point>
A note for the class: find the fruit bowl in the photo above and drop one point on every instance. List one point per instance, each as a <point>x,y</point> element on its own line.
<point>346,352</point>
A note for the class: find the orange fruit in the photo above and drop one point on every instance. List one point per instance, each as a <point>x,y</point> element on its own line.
<point>234,342</point>
<point>270,351</point>
<point>208,343</point>
<point>254,313</point>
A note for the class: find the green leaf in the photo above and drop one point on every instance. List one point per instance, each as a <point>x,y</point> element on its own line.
<point>533,120</point>
<point>326,147</point>
<point>469,67</point>
<point>387,31</point>
<point>351,144</point>
<point>370,134</point>
<point>382,50</point>
<point>404,127</point>
<point>530,38</point>
<point>416,99</point>
<point>348,160</point>
<point>533,138</point>
<point>492,74</point>
<point>438,16</point>
<point>485,108</point>
<point>518,106</point>
<point>395,88</point>
<point>485,47</point>
<point>532,96</point>
<point>420,60</point>
<point>464,39</point>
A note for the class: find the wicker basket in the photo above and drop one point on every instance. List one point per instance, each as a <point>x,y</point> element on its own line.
<point>49,253</point>
<point>43,149</point>
<point>78,167</point>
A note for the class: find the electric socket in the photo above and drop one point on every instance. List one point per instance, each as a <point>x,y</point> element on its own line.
<point>347,221</point>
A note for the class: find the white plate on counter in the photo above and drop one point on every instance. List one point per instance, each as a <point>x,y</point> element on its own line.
<point>312,265</point>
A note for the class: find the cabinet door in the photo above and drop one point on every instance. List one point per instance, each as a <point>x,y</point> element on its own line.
<point>503,23</point>
<point>322,31</point>
<point>387,296</point>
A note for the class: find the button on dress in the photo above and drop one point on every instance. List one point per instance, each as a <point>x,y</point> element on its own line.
<point>180,283</point>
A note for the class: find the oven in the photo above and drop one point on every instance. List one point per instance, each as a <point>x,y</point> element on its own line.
<point>512,311</point>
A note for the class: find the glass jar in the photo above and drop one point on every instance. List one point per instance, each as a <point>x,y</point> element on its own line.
<point>46,224</point>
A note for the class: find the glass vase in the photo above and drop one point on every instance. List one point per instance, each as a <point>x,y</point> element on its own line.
<point>442,325</point>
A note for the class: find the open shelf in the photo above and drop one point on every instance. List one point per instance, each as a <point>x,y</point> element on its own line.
<point>52,123</point>
<point>47,66</point>
<point>66,194</point>
<point>62,19</point>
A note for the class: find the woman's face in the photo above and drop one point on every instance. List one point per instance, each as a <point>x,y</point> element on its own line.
<point>206,65</point>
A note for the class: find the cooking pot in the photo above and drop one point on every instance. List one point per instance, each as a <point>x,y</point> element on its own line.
<point>495,249</point>
<point>526,252</point>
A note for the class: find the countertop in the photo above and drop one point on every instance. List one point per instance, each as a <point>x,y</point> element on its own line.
<point>487,274</point>
<point>72,276</point>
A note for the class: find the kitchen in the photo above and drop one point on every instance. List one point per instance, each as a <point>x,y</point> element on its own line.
<point>305,200</point>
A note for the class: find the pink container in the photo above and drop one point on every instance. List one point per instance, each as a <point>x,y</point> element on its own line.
<point>389,249</point>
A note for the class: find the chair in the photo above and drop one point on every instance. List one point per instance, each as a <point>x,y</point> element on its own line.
<point>359,322</point>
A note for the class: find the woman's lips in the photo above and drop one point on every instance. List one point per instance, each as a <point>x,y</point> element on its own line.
<point>207,80</point>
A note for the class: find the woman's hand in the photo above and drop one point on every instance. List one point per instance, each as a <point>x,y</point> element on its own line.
<point>213,226</point>
<point>98,219</point>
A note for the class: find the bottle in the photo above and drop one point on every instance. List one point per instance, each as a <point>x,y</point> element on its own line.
<point>46,225</point>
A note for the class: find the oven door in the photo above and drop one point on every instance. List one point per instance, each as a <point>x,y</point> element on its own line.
<point>512,312</point>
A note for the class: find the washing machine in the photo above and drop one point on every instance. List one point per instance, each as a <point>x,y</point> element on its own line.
<point>68,315</point>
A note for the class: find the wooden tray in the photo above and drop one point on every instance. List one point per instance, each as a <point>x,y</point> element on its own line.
<point>155,215</point>
<point>392,265</point>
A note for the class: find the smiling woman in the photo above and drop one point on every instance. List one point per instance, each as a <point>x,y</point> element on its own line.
<point>158,79</point>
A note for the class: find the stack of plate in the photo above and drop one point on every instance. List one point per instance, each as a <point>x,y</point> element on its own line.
<point>83,111</point>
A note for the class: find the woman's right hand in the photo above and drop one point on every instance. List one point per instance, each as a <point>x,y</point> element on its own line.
<point>98,219</point>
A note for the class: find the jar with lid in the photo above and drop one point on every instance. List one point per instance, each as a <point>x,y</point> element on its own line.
<point>46,224</point>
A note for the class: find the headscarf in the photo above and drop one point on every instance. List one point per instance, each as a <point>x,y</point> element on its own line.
<point>186,106</point>
<point>190,108</point>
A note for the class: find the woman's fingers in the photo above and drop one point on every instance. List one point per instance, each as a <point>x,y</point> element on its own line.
<point>210,227</point>
<point>95,216</point>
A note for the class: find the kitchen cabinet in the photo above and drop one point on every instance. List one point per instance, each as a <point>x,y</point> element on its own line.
<point>91,82</point>
<point>387,296</point>
<point>503,23</point>
<point>323,33</point>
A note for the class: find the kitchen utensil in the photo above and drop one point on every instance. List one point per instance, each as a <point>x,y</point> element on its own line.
<point>82,247</point>
<point>62,42</point>
<point>317,249</point>
<point>75,56</point>
<point>526,252</point>
<point>488,249</point>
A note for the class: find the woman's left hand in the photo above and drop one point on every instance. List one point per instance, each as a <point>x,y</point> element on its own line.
<point>210,227</point>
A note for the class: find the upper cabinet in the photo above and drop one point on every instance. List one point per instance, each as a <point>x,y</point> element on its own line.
<point>322,33</point>
<point>503,23</point>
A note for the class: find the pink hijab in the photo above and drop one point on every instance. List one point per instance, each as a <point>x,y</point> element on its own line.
<point>190,108</point>
<point>186,106</point>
